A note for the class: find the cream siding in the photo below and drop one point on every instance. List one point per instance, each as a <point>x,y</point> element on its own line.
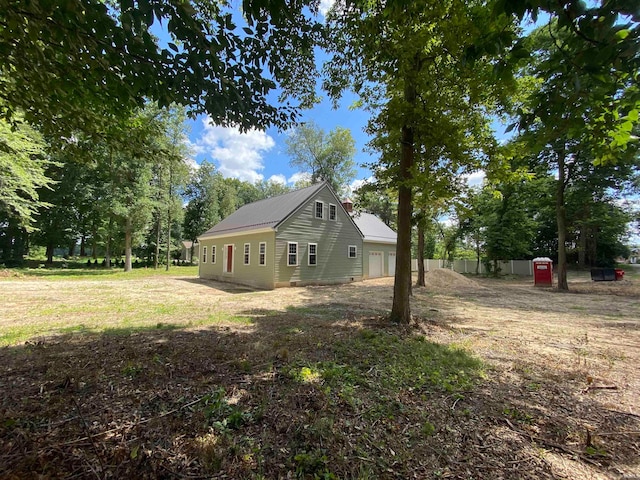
<point>384,248</point>
<point>332,238</point>
<point>255,275</point>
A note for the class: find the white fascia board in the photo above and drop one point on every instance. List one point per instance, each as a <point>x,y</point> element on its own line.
<point>235,234</point>
<point>388,242</point>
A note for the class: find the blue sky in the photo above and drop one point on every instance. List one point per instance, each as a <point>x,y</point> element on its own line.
<point>261,155</point>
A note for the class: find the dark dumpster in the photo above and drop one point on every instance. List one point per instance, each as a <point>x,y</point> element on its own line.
<point>606,274</point>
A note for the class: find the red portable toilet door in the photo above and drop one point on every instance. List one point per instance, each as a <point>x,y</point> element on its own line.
<point>542,271</point>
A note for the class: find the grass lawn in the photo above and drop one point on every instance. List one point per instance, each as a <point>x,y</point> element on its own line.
<point>156,375</point>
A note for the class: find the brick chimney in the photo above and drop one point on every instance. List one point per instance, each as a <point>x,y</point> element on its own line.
<point>348,205</point>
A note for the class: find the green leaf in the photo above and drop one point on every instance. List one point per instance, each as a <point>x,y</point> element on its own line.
<point>622,34</point>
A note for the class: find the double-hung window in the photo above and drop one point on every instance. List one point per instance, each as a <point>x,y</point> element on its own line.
<point>204,254</point>
<point>313,254</point>
<point>262,253</point>
<point>213,254</point>
<point>319,210</point>
<point>247,250</point>
<point>353,251</point>
<point>292,257</point>
<point>333,212</point>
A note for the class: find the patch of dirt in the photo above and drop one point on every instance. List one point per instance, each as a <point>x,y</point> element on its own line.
<point>447,278</point>
<point>5,273</point>
<point>560,397</point>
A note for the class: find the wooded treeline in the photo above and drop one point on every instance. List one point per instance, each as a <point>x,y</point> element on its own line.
<point>516,219</point>
<point>432,75</point>
<point>132,193</point>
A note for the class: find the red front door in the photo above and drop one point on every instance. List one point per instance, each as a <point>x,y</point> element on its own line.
<point>229,258</point>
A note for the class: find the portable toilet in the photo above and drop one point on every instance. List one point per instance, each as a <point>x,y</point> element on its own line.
<point>542,272</point>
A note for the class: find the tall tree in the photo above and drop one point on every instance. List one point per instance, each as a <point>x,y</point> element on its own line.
<point>170,172</point>
<point>409,64</point>
<point>371,198</point>
<point>586,61</point>
<point>324,156</point>
<point>23,164</point>
<point>203,204</point>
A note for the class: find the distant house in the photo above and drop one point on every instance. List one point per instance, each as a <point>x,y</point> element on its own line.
<point>185,254</point>
<point>304,237</point>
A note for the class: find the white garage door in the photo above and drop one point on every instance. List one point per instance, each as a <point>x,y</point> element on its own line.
<point>392,264</point>
<point>375,264</point>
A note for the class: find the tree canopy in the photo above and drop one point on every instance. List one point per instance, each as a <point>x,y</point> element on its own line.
<point>324,156</point>
<point>23,164</point>
<point>75,65</point>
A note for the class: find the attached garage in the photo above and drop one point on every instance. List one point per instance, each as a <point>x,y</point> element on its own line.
<point>379,246</point>
<point>376,262</point>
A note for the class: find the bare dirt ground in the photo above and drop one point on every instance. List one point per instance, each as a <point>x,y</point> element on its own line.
<point>224,383</point>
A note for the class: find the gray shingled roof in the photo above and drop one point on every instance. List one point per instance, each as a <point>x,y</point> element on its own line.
<point>263,213</point>
<point>374,229</point>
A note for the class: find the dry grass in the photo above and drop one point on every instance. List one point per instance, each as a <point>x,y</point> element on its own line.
<point>174,377</point>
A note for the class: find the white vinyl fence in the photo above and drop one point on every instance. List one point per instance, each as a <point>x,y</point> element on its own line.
<point>510,267</point>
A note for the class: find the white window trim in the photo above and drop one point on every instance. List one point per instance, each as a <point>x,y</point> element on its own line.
<point>335,211</point>
<point>309,255</point>
<point>262,256</point>
<point>204,254</point>
<point>213,254</point>
<point>315,209</point>
<point>246,254</point>
<point>288,254</point>
<point>355,247</point>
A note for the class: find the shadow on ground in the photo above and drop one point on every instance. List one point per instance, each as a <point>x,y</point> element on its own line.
<point>328,388</point>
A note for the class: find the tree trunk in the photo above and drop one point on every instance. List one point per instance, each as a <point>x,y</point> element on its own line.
<point>562,223</point>
<point>191,253</point>
<point>157,255</point>
<point>128,232</point>
<point>169,223</point>
<point>478,253</point>
<point>23,248</point>
<point>50,248</point>
<point>401,309</point>
<point>72,248</point>
<point>593,246</point>
<point>94,244</point>
<point>421,281</point>
<point>582,247</point>
<point>168,240</point>
<point>107,253</point>
<point>83,246</point>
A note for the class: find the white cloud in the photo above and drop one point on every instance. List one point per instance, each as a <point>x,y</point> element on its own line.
<point>356,184</point>
<point>278,178</point>
<point>296,177</point>
<point>194,148</point>
<point>239,155</point>
<point>475,178</point>
<point>324,6</point>
<point>191,163</point>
